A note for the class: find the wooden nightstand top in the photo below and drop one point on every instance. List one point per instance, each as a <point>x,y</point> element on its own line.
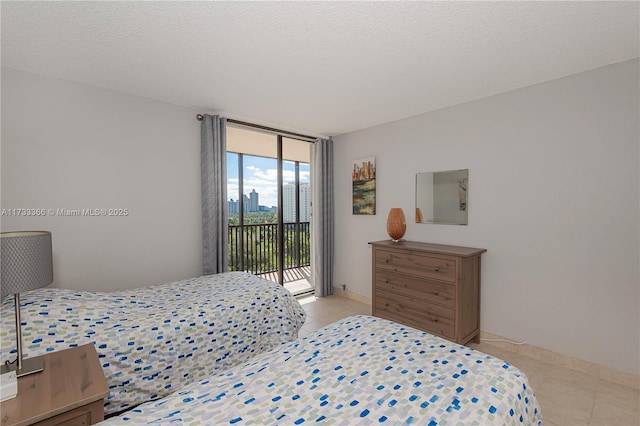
<point>71,378</point>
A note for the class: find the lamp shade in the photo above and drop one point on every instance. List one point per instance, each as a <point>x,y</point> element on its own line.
<point>26,261</point>
<point>396,224</point>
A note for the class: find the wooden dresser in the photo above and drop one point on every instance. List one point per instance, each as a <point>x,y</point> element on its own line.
<point>432,287</point>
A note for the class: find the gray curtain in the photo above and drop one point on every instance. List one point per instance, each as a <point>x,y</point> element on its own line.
<point>214,193</point>
<point>322,216</point>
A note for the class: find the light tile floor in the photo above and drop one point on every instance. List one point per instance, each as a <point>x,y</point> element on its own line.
<point>567,397</point>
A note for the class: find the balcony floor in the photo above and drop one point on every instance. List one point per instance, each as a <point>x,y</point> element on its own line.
<point>296,280</point>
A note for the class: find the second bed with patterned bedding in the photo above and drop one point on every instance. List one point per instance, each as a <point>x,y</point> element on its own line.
<point>154,340</point>
<point>361,370</point>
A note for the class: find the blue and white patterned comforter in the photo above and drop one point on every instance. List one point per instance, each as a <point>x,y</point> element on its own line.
<point>361,370</point>
<point>154,340</point>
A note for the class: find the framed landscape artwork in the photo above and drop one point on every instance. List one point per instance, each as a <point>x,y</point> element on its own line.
<point>364,186</point>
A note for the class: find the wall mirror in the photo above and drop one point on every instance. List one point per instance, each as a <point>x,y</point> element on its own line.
<point>441,197</point>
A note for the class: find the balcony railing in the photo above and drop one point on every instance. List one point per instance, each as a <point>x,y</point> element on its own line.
<point>261,244</point>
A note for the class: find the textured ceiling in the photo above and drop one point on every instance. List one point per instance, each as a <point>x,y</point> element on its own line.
<point>321,68</point>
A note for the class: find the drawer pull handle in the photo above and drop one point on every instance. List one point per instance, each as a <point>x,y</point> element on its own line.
<point>386,261</point>
<point>386,305</point>
<point>386,281</point>
<point>436,292</point>
<point>436,268</point>
<point>435,319</point>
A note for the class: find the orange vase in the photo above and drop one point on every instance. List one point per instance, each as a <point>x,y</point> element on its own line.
<point>396,224</point>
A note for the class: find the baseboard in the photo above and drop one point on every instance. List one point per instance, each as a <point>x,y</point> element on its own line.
<point>337,291</point>
<point>566,361</point>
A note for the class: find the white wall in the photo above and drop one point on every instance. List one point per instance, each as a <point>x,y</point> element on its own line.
<point>554,197</point>
<point>553,181</point>
<point>68,146</point>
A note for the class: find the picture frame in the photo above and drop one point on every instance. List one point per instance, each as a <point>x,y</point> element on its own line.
<point>363,177</point>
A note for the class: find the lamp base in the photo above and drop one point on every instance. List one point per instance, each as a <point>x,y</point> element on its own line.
<point>29,366</point>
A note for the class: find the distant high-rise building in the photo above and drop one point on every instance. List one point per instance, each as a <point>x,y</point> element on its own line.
<point>289,202</point>
<point>247,204</point>
<point>305,202</point>
<point>250,203</point>
<point>233,206</point>
<point>254,205</point>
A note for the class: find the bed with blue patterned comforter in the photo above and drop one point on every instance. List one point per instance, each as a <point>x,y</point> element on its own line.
<point>154,340</point>
<point>361,370</point>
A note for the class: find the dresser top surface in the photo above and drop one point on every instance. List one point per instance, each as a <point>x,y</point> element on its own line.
<point>71,378</point>
<point>430,248</point>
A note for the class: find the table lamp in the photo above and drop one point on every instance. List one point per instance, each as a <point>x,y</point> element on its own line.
<point>26,264</point>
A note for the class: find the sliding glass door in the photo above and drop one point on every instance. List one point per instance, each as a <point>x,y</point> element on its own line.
<point>269,207</point>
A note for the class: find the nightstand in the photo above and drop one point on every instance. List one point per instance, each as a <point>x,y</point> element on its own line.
<point>70,391</point>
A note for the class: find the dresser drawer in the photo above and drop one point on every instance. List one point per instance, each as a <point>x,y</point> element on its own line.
<point>416,264</point>
<point>425,289</point>
<point>416,313</point>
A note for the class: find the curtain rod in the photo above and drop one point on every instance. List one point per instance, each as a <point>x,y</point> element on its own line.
<point>270,129</point>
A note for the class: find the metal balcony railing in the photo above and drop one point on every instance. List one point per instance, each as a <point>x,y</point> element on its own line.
<point>261,244</point>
